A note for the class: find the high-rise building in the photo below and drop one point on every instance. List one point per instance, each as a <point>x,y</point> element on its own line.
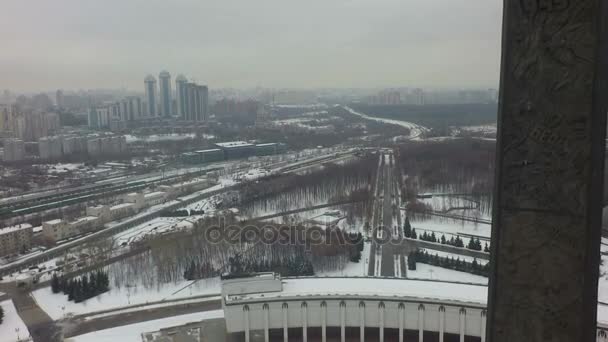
<point>100,117</point>
<point>165,93</point>
<point>419,97</point>
<point>205,103</point>
<point>134,108</point>
<point>59,99</point>
<point>150,83</point>
<point>180,89</point>
<point>14,150</point>
<point>7,113</point>
<point>196,102</point>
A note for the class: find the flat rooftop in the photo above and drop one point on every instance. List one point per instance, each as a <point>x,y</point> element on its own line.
<point>373,287</point>
<point>209,150</point>
<point>154,194</point>
<point>234,144</point>
<point>15,228</point>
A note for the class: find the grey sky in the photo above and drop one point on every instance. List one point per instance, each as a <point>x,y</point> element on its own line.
<point>240,43</point>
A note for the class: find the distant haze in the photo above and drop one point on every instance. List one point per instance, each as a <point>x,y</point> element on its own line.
<point>243,43</point>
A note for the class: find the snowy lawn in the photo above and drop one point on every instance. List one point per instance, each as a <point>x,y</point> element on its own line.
<point>120,297</point>
<point>132,333</point>
<point>424,271</point>
<point>12,327</point>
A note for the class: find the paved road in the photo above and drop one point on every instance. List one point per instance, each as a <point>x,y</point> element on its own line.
<point>80,326</point>
<point>386,260</point>
<point>41,326</point>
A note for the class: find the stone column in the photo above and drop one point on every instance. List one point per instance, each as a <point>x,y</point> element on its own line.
<point>550,154</point>
<point>361,321</point>
<point>420,323</point>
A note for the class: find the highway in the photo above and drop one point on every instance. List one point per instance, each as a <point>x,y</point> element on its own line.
<point>386,259</point>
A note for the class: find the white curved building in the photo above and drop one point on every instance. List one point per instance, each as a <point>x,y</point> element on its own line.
<point>383,309</point>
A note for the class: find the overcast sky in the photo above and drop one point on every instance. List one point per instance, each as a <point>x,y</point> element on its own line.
<point>75,44</point>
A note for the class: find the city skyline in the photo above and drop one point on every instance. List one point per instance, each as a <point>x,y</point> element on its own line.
<point>340,44</point>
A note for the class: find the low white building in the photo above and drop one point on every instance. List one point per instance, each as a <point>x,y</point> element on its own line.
<point>154,198</point>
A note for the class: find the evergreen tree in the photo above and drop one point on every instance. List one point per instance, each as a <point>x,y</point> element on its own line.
<point>486,248</point>
<point>414,235</point>
<point>443,241</point>
<point>55,283</point>
<point>1,314</point>
<point>433,237</point>
<point>459,242</point>
<point>471,244</point>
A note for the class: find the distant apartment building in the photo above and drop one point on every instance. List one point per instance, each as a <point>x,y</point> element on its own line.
<point>56,230</point>
<point>50,148</point>
<point>196,102</point>
<point>15,239</point>
<point>14,150</point>
<point>180,89</point>
<point>419,97</point>
<point>59,99</point>
<point>31,126</point>
<point>99,118</point>
<point>7,111</point>
<point>150,90</point>
<point>165,94</point>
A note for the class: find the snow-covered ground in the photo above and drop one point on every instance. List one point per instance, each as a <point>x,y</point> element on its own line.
<point>156,226</point>
<point>132,333</point>
<point>165,137</point>
<point>424,271</point>
<point>56,305</point>
<point>12,327</point>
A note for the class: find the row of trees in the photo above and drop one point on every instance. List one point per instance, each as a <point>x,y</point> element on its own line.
<point>297,266</point>
<point>200,270</point>
<point>81,288</point>
<point>474,243</point>
<point>447,262</point>
<point>182,213</point>
<point>1,315</point>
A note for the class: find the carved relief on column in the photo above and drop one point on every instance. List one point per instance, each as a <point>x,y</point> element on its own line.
<point>543,246</point>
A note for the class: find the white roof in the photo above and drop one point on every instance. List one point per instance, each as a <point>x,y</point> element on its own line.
<point>86,218</point>
<point>209,150</point>
<point>385,287</point>
<point>122,205</point>
<point>234,144</point>
<point>55,221</point>
<point>15,228</point>
<point>154,194</point>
